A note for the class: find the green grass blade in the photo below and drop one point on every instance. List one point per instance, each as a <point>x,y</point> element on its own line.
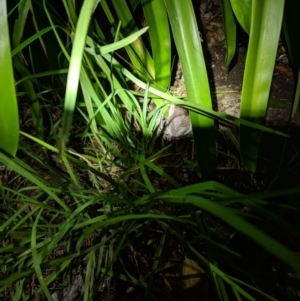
<point>253,288</point>
<point>33,96</point>
<point>160,38</point>
<point>157,259</point>
<point>117,45</point>
<point>19,290</point>
<point>162,173</point>
<point>74,160</point>
<point>159,31</point>
<point>23,9</point>
<point>216,272</point>
<point>231,218</point>
<point>237,295</point>
<point>229,29</point>
<point>42,74</point>
<point>22,68</point>
<point>31,39</point>
<point>88,282</point>
<point>37,259</point>
<point>146,179</point>
<point>137,51</point>
<point>187,40</point>
<point>266,20</point>
<point>74,68</point>
<point>53,276</point>
<point>11,163</point>
<point>220,286</point>
<point>9,119</point>
<point>293,112</point>
<point>71,11</point>
<point>199,109</point>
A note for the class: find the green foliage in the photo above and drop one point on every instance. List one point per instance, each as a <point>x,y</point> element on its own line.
<point>265,29</point>
<point>92,180</point>
<point>24,8</point>
<point>9,121</point>
<point>229,29</point>
<point>188,44</point>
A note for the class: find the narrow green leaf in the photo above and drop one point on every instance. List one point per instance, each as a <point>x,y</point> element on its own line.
<point>20,66</point>
<point>74,68</point>
<point>146,179</point>
<point>9,119</point>
<point>74,160</point>
<point>187,40</point>
<point>137,51</point>
<point>266,20</point>
<point>156,262</point>
<point>88,282</point>
<point>229,29</point>
<point>36,258</point>
<point>27,42</point>
<point>159,31</point>
<point>253,288</point>
<point>12,164</point>
<point>199,109</point>
<point>59,269</point>
<point>23,9</point>
<point>117,45</point>
<point>232,219</point>
<point>19,290</point>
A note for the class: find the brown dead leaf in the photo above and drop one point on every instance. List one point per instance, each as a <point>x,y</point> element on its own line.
<point>191,273</point>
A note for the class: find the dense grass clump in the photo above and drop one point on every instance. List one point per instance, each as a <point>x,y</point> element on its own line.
<point>97,201</point>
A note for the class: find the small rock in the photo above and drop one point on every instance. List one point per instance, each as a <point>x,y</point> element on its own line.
<point>178,123</point>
